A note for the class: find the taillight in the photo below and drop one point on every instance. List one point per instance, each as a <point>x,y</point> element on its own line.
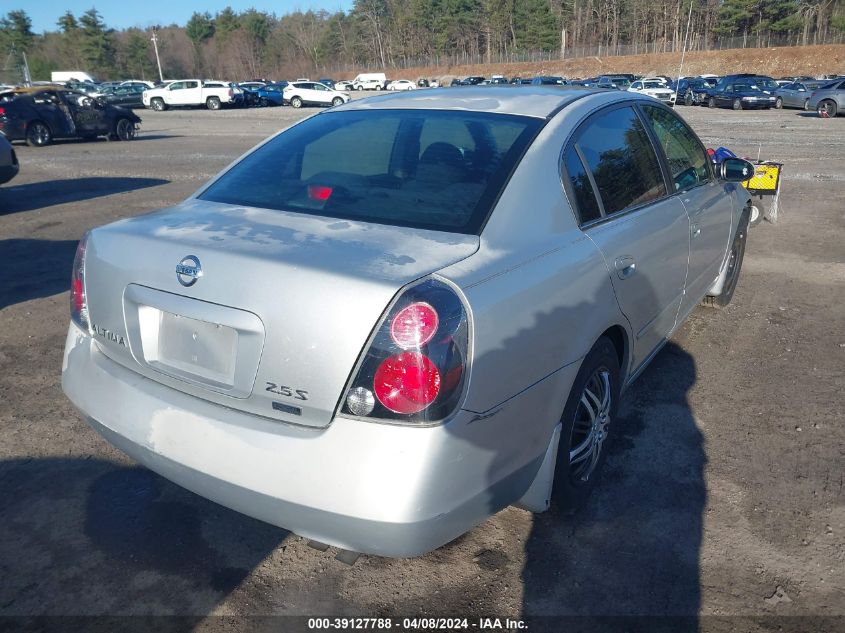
<point>415,366</point>
<point>2,111</point>
<point>231,92</point>
<point>319,193</point>
<point>78,300</point>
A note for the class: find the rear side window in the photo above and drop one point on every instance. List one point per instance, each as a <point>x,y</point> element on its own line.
<point>432,169</point>
<point>581,187</point>
<point>617,151</point>
<point>685,155</point>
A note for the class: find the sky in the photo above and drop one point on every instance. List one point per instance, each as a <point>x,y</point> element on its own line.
<point>145,13</point>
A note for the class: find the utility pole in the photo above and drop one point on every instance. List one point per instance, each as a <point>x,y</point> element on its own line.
<point>27,78</point>
<point>154,40</point>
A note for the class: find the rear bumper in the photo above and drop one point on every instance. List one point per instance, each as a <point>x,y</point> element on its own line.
<point>372,488</point>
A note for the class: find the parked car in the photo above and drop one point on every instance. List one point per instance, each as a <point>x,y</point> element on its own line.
<point>300,93</point>
<point>546,80</point>
<point>473,80</point>
<point>190,92</point>
<point>272,94</point>
<point>796,94</point>
<point>128,96</point>
<point>694,90</point>
<point>369,81</point>
<point>828,100</point>
<point>743,91</point>
<point>9,165</point>
<point>654,88</point>
<point>38,116</point>
<point>344,85</point>
<point>498,80</point>
<point>613,82</point>
<point>456,82</point>
<point>328,82</point>
<point>378,349</point>
<point>138,82</point>
<point>250,91</point>
<point>402,84</point>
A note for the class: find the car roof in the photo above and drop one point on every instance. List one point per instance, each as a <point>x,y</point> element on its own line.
<point>532,100</point>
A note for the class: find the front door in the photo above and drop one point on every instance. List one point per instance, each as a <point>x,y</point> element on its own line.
<point>643,232</point>
<point>708,203</point>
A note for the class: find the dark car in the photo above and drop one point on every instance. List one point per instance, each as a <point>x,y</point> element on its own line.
<point>743,91</point>
<point>125,96</point>
<point>547,80</point>
<point>693,91</point>
<point>39,116</point>
<point>327,82</point>
<point>271,94</point>
<point>614,82</point>
<point>472,81</point>
<point>588,82</point>
<point>516,80</point>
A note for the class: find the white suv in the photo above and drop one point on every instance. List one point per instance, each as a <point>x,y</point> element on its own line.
<point>300,93</point>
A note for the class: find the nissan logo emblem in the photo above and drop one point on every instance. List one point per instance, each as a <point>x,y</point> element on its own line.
<point>188,270</point>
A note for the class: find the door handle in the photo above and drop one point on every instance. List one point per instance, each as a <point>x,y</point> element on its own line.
<point>625,266</point>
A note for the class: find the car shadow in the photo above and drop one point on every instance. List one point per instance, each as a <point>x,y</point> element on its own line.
<point>90,537</point>
<point>33,269</point>
<point>809,115</point>
<point>629,558</point>
<point>37,195</point>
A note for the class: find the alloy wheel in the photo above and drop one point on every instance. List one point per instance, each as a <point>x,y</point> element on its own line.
<point>590,427</point>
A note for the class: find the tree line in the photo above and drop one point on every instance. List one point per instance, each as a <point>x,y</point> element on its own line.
<point>382,34</point>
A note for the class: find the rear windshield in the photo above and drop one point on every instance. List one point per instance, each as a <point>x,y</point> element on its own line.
<point>431,169</point>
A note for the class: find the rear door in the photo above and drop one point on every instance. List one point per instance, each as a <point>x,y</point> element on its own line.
<point>707,200</point>
<point>614,178</point>
<point>55,112</point>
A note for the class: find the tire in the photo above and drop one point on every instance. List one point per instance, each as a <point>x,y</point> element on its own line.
<point>359,87</point>
<point>38,134</point>
<point>212,103</point>
<point>737,104</point>
<point>779,104</point>
<point>584,427</point>
<point>711,102</point>
<point>827,108</point>
<point>296,102</point>
<point>688,99</point>
<point>735,257</point>
<point>264,102</point>
<point>807,104</point>
<point>124,130</point>
<point>337,101</point>
<point>158,104</point>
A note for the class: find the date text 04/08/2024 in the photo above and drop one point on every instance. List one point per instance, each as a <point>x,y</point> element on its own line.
<point>416,624</point>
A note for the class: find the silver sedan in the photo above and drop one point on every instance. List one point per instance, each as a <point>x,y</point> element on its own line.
<point>399,316</point>
<point>828,100</point>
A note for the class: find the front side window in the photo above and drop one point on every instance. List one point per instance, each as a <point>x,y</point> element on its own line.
<point>686,157</point>
<point>616,149</point>
<point>433,169</point>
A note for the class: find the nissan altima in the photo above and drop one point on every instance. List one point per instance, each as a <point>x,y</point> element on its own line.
<point>399,316</point>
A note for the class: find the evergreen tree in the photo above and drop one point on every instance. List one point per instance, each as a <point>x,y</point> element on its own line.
<point>96,43</point>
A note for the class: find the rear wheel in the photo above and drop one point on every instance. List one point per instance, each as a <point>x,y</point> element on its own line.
<point>337,101</point>
<point>688,99</point>
<point>38,134</point>
<point>585,424</point>
<point>827,108</point>
<point>124,130</point>
<point>212,103</point>
<point>359,87</point>
<point>296,102</point>
<point>779,103</point>
<point>711,102</point>
<point>734,265</point>
<point>737,104</point>
<point>264,102</point>
<point>158,105</point>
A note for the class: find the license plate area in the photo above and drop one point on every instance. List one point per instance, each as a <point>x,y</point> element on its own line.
<point>207,344</point>
<point>197,349</point>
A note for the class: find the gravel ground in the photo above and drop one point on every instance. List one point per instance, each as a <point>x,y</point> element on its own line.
<point>723,493</point>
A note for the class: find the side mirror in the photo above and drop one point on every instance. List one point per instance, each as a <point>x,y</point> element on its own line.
<point>736,170</point>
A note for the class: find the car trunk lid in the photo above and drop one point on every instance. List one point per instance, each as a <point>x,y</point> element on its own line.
<point>268,311</point>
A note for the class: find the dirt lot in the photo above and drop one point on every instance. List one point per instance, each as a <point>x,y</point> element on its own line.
<point>723,494</point>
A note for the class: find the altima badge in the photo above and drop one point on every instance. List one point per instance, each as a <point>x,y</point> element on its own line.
<point>188,270</point>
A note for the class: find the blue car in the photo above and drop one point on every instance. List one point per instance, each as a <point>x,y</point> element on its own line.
<point>743,91</point>
<point>271,94</point>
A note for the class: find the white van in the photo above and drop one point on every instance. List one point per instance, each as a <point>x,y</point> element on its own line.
<point>71,75</point>
<point>370,81</point>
